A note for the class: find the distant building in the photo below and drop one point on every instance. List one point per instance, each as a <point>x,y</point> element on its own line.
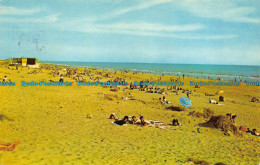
<point>30,62</point>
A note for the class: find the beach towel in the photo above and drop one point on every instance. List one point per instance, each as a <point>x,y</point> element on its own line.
<point>118,124</point>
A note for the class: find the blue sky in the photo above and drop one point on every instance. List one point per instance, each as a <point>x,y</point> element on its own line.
<point>154,31</point>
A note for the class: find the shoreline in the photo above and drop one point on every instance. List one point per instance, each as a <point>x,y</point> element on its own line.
<point>171,73</point>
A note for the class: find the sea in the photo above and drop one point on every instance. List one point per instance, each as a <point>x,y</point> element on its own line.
<point>224,72</point>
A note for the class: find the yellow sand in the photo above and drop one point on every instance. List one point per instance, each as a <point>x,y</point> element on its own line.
<point>52,126</point>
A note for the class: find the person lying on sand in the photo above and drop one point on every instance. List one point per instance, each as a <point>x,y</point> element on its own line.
<point>231,116</point>
<point>248,130</point>
<point>254,99</point>
<point>134,120</point>
<point>121,122</point>
<point>143,122</point>
<point>213,101</point>
<point>242,128</point>
<point>8,146</point>
<point>254,132</point>
<point>112,116</point>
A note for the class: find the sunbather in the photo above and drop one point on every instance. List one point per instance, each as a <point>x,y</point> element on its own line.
<point>248,130</point>
<point>213,101</point>
<point>254,132</point>
<point>112,116</point>
<point>143,122</point>
<point>134,120</point>
<point>8,146</point>
<point>121,122</point>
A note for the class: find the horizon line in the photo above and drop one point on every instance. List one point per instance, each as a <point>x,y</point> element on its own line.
<point>154,63</point>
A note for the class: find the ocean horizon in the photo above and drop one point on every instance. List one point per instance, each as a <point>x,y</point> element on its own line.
<point>214,71</point>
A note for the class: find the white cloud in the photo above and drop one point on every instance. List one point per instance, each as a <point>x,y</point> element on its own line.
<point>219,9</point>
<point>143,29</point>
<point>47,19</point>
<point>140,6</point>
<point>6,10</point>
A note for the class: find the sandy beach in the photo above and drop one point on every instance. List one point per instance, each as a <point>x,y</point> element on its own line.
<point>52,126</point>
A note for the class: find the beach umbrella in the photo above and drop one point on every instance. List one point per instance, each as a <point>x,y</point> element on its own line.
<point>185,101</point>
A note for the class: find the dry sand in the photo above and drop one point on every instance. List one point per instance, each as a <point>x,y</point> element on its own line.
<point>52,126</point>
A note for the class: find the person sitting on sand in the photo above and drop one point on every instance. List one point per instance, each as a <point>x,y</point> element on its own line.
<point>121,122</point>
<point>143,122</point>
<point>221,98</point>
<point>175,122</point>
<point>231,116</point>
<point>8,146</point>
<point>61,78</point>
<point>164,99</point>
<point>5,79</point>
<point>254,132</point>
